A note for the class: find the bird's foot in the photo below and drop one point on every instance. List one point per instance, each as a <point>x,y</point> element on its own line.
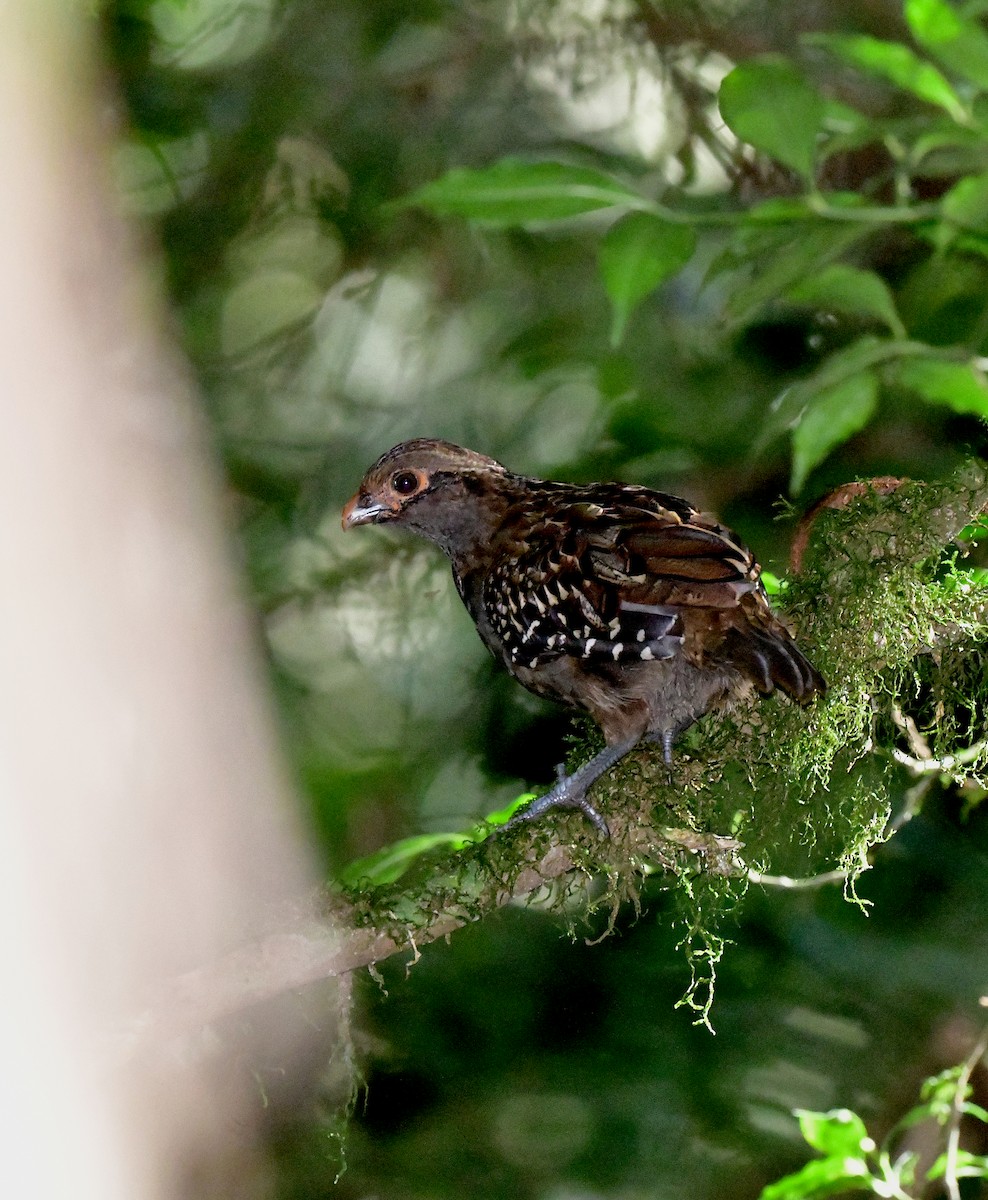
<point>571,790</point>
<point>561,796</point>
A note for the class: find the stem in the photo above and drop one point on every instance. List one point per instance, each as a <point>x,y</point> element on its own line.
<point>956,1112</point>
<point>875,215</point>
<point>802,884</point>
<point>816,207</point>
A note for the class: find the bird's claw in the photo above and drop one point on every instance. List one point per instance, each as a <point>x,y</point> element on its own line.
<point>593,816</point>
<point>558,798</point>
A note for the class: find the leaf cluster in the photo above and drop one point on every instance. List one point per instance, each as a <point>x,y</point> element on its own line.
<point>817,248</point>
<point>851,1162</point>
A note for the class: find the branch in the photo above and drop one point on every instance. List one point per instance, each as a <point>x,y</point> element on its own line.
<point>330,935</point>
<point>869,606</point>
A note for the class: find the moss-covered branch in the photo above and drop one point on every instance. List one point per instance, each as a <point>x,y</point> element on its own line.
<point>896,624</point>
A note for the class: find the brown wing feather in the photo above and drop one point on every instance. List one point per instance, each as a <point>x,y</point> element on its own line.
<point>614,583</point>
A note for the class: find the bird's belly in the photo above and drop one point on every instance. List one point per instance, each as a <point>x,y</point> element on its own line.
<point>666,695</point>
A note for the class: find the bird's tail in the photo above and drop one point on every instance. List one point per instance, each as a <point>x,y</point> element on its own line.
<point>766,653</point>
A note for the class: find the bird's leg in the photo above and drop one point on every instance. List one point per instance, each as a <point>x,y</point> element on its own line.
<point>571,790</point>
<point>666,737</point>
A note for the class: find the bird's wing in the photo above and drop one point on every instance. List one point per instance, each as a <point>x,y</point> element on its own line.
<point>607,577</point>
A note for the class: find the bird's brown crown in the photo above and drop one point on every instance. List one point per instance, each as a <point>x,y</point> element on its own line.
<point>409,471</point>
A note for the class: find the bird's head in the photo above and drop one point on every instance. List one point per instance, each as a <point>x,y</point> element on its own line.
<point>431,487</point>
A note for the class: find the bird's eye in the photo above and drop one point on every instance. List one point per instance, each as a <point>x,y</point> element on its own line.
<point>405,482</point>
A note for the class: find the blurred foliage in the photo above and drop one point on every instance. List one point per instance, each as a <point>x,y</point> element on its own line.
<point>722,247</point>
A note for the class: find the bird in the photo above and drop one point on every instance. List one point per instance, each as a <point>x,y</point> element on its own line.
<point>626,603</point>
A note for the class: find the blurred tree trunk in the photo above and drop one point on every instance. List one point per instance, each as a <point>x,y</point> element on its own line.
<point>146,824</point>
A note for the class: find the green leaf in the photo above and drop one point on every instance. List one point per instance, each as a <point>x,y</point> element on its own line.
<point>834,415</point>
<point>839,1132</point>
<point>921,1113</point>
<point>513,192</point>
<point>941,1088</point>
<point>824,1177</point>
<point>966,1166</point>
<point>636,255</point>
<point>788,407</point>
<point>932,21</point>
<point>976,532</point>
<point>960,386</point>
<point>948,150</point>
<point>960,44</point>
<point>501,815</point>
<point>939,1093</point>
<point>781,259</point>
<point>897,63</point>
<point>767,103</point>
<point>391,862</point>
<point>844,289</point>
<point>842,1137</point>
<point>966,204</point>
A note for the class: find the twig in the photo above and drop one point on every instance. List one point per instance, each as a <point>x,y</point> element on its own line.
<point>917,743</point>
<point>940,766</point>
<point>957,1107</point>
<point>803,884</point>
<point>922,760</point>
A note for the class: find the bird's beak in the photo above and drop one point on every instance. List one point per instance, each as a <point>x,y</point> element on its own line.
<point>361,510</point>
